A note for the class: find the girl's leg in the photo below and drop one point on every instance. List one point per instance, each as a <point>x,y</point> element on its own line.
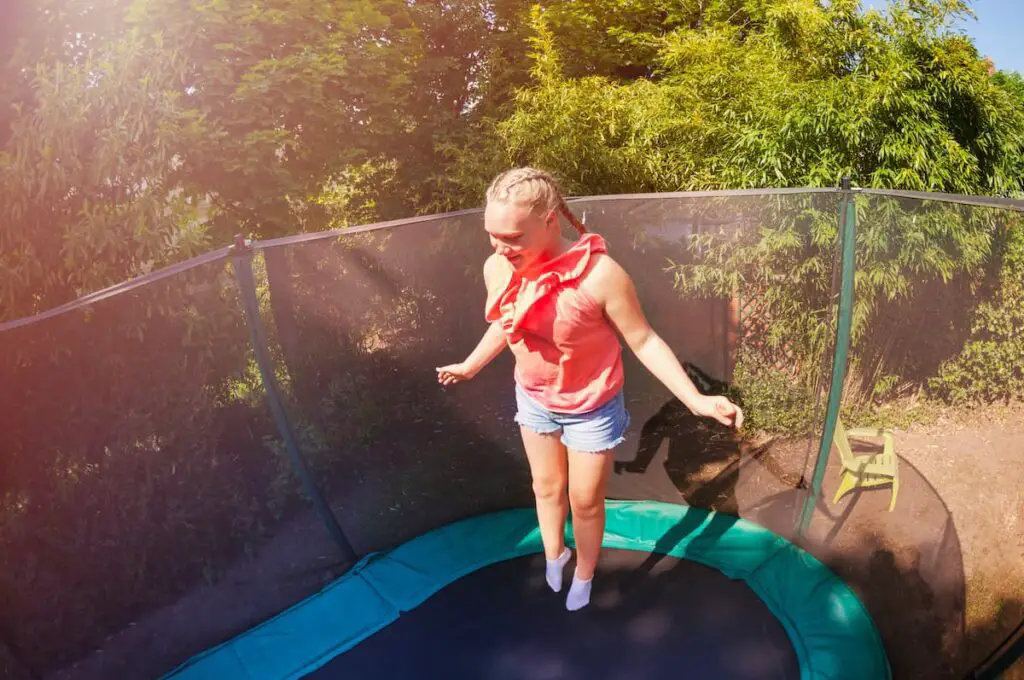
<point>588,480</point>
<point>549,470</point>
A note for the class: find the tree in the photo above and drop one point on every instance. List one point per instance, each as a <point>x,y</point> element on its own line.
<point>87,196</point>
<point>136,132</point>
<point>779,93</point>
<point>179,124</point>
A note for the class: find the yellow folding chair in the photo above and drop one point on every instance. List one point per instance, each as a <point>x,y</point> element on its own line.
<point>870,470</point>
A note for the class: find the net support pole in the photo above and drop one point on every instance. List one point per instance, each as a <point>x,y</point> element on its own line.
<point>242,261</point>
<point>841,351</point>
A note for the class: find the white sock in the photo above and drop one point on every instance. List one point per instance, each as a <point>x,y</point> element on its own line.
<point>579,594</point>
<point>555,568</point>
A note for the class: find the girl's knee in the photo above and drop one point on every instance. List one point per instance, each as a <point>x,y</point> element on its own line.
<point>549,488</point>
<point>586,504</point>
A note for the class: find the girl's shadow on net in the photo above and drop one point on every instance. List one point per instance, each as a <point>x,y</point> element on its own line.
<point>712,467</point>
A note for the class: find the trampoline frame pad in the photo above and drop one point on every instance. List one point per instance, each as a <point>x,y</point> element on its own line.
<point>832,633</point>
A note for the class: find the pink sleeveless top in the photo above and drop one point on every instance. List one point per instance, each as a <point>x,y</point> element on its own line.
<point>568,356</point>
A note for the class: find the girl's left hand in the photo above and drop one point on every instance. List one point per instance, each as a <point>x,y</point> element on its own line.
<point>721,409</point>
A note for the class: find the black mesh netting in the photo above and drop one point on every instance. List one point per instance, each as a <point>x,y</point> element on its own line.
<point>934,358</point>
<point>744,288</point>
<point>137,473</point>
<point>363,320</point>
<point>145,494</point>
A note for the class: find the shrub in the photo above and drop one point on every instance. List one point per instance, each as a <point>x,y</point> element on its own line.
<point>991,365</point>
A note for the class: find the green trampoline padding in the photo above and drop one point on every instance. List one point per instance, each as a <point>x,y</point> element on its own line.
<point>831,632</point>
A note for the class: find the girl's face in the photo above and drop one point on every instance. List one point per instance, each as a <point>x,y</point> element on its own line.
<point>520,236</point>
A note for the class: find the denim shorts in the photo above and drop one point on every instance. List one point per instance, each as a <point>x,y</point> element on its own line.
<point>601,429</point>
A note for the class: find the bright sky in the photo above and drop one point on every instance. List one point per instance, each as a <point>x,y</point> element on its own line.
<point>997,30</point>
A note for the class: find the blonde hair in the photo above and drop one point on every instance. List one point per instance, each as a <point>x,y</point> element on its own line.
<point>533,188</point>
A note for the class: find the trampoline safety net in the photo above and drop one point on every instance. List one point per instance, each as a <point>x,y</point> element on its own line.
<point>151,507</point>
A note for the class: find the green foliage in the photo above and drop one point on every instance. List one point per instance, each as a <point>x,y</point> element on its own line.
<point>781,252</point>
<point>902,245</point>
<point>990,366</point>
<point>785,93</point>
<point>919,265</point>
<point>772,401</point>
<point>85,180</point>
<point>1012,82</point>
<point>136,133</point>
<point>131,461</point>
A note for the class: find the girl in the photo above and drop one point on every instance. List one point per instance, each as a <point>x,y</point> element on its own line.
<point>558,305</point>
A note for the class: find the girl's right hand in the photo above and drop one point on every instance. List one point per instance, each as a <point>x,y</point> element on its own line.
<point>454,373</point>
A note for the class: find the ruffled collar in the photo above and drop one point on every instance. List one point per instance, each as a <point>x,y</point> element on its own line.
<point>512,302</point>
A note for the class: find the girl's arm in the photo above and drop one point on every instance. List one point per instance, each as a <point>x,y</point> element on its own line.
<point>489,347</point>
<point>615,290</point>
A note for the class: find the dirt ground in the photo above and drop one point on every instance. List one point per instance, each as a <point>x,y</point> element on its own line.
<point>296,563</point>
<point>944,570</point>
<point>956,538</point>
<point>975,462</point>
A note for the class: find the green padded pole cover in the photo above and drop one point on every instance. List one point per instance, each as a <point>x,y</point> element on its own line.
<point>242,262</point>
<point>847,234</point>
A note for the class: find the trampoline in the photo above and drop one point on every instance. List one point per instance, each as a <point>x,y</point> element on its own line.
<point>680,592</point>
<point>300,499</point>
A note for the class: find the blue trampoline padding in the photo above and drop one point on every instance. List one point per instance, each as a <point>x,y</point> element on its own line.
<point>414,571</point>
<point>831,631</point>
<point>300,638</point>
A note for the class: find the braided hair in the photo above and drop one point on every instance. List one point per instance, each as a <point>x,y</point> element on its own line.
<point>534,188</point>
